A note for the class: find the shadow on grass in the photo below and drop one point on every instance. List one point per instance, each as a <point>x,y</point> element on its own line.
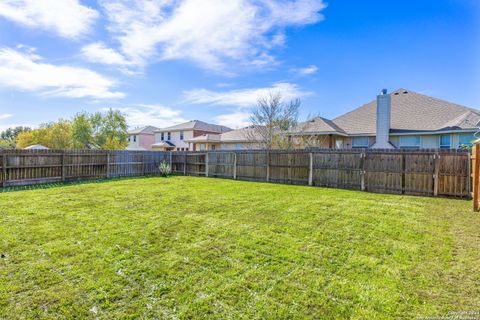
<point>72,183</point>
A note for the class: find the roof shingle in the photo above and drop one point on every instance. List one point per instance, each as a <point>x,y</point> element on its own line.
<point>196,125</point>
<point>411,111</point>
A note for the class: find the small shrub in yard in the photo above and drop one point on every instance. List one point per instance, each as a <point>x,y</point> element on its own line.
<point>165,169</point>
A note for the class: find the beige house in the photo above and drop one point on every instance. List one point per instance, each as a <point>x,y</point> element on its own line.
<point>240,139</point>
<point>141,138</point>
<point>175,138</point>
<point>401,119</point>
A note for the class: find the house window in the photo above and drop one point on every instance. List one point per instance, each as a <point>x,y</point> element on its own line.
<point>162,136</point>
<point>410,142</point>
<point>238,146</point>
<point>169,136</point>
<point>445,141</point>
<point>360,142</point>
<point>466,139</point>
<point>128,139</point>
<point>213,147</point>
<point>134,138</point>
<point>181,135</point>
<point>202,147</point>
<point>339,144</point>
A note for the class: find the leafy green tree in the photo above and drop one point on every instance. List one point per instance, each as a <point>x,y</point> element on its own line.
<point>110,130</point>
<point>82,131</point>
<point>54,135</point>
<point>8,137</point>
<point>106,131</point>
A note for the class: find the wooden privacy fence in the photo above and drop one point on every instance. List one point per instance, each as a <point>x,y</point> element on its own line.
<point>434,172</point>
<point>24,167</point>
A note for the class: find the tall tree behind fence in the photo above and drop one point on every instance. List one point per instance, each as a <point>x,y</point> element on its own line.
<point>419,172</point>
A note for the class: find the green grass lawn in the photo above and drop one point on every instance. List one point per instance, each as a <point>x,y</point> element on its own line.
<point>199,248</point>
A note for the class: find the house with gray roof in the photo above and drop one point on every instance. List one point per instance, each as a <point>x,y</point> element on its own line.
<point>141,138</point>
<point>401,119</point>
<point>174,138</point>
<point>245,138</point>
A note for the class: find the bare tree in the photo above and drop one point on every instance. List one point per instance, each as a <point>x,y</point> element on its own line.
<point>304,138</point>
<point>271,120</point>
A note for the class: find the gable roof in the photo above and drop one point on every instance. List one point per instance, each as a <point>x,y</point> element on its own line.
<point>411,112</point>
<point>196,125</point>
<point>318,124</point>
<point>247,134</point>
<point>144,130</point>
<point>36,147</point>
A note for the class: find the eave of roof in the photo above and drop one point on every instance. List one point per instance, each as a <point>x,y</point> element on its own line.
<point>163,144</point>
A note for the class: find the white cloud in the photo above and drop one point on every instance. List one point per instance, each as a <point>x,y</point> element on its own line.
<point>5,116</point>
<point>26,71</point>
<point>237,119</point>
<point>311,69</point>
<point>211,33</point>
<point>242,100</point>
<point>67,18</point>
<point>98,52</point>
<point>155,115</point>
<point>243,97</point>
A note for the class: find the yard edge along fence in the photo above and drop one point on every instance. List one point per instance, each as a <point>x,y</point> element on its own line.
<point>426,172</point>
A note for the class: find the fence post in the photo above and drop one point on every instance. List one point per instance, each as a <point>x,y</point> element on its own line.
<point>185,165</point>
<point>268,166</point>
<point>310,169</point>
<point>63,166</point>
<point>436,157</point>
<point>108,164</point>
<point>403,172</point>
<point>206,164</point>
<point>4,167</point>
<point>143,163</point>
<point>476,177</point>
<point>171,164</point>
<point>363,157</point>
<point>234,166</point>
<point>469,175</point>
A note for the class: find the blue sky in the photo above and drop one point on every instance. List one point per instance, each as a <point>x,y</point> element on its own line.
<point>167,61</point>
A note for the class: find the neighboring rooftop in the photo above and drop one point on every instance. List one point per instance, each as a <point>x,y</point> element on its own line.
<point>239,135</point>
<point>411,112</point>
<point>166,144</point>
<point>243,134</point>
<point>197,125</point>
<point>36,147</point>
<point>143,130</point>
<point>319,124</point>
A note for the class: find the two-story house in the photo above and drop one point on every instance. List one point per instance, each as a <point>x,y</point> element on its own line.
<point>174,138</point>
<point>141,138</point>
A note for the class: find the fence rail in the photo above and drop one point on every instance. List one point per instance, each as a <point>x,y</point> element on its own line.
<point>432,172</point>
